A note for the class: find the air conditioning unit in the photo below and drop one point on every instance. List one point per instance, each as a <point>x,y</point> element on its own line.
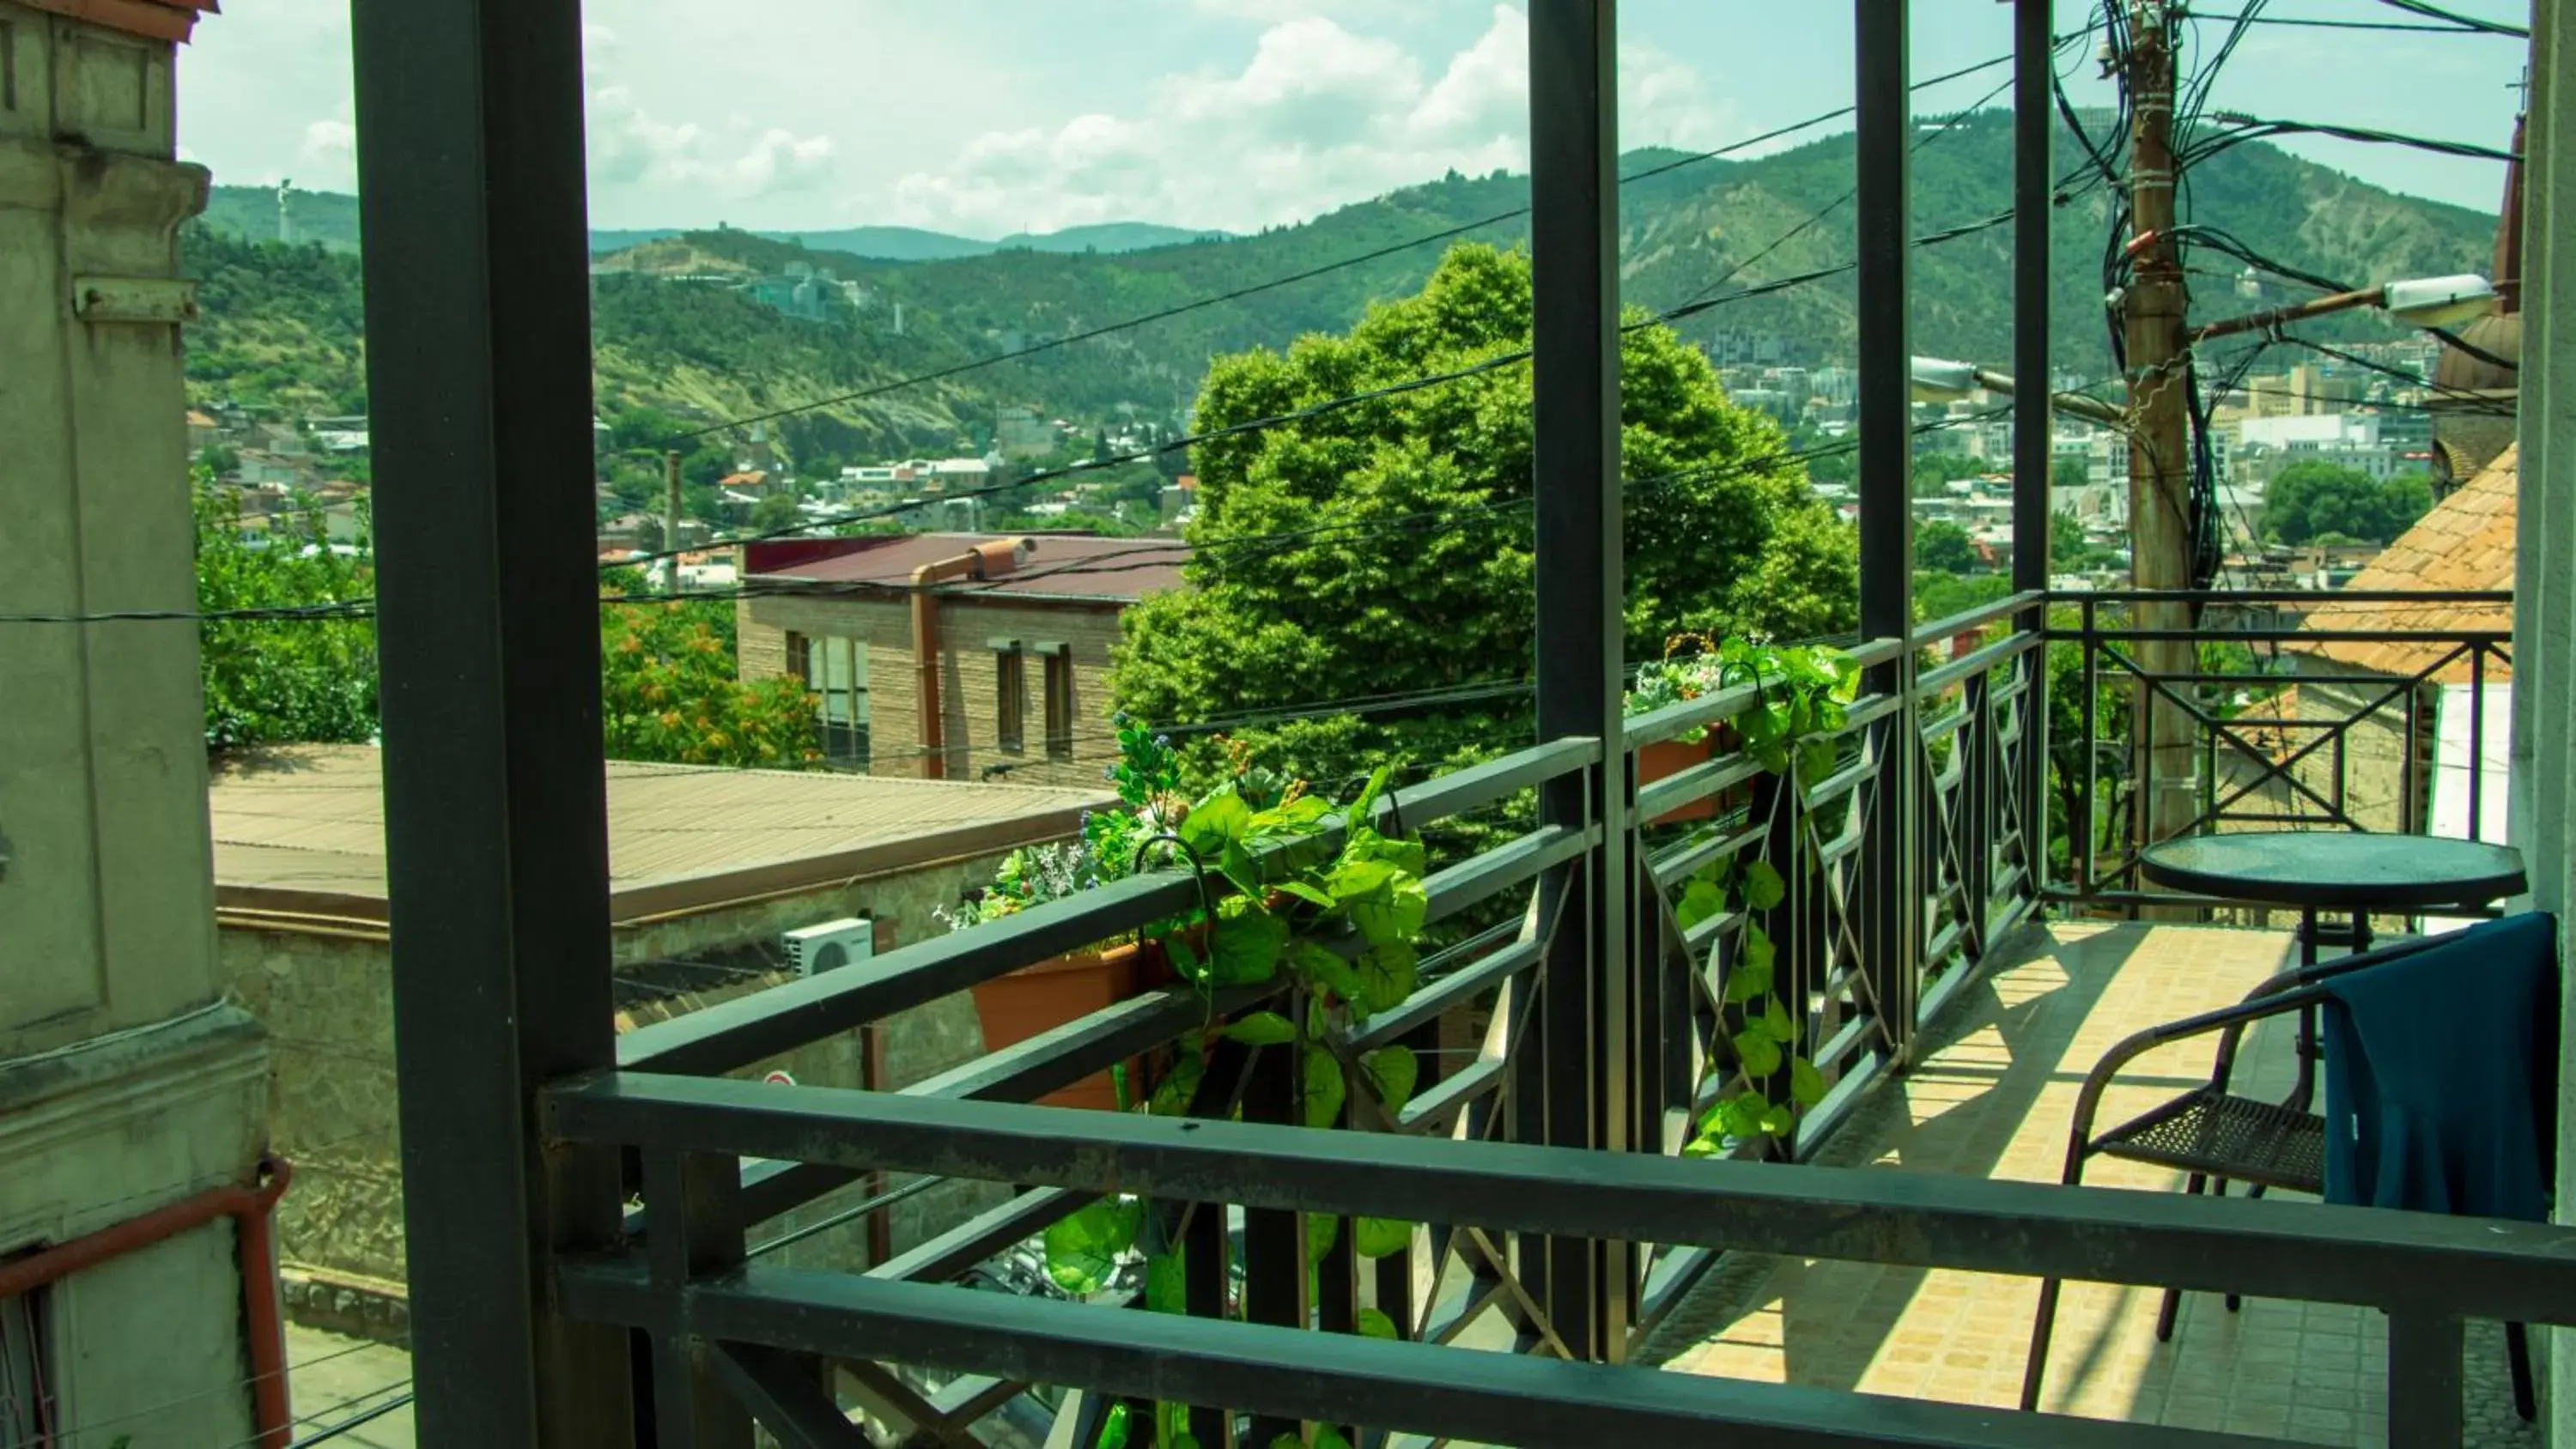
<point>829,946</point>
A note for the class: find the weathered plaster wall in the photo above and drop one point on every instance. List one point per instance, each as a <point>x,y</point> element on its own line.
<point>124,1085</point>
<point>327,1001</point>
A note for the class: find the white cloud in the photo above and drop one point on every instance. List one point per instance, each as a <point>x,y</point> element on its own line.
<point>632,147</point>
<point>329,156</point>
<point>1321,114</point>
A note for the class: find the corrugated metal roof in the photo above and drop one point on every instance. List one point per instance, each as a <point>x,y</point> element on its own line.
<point>2465,544</point>
<point>1074,566</point>
<point>301,830</point>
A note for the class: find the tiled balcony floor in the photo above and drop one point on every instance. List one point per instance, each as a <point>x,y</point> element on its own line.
<point>1994,1096</point>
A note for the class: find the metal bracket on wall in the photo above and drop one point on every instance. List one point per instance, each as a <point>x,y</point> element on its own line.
<point>158,301</point>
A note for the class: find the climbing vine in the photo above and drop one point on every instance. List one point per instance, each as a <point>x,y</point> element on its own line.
<point>1802,698</point>
<point>1304,893</point>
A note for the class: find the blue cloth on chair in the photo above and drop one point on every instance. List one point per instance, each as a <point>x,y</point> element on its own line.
<point>2442,1075</point>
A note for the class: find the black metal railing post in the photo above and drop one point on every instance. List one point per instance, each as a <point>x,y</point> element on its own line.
<point>696,1199</point>
<point>1574,249</point>
<point>2034,458</point>
<point>478,366</point>
<point>2424,1379</point>
<point>1892,937</point>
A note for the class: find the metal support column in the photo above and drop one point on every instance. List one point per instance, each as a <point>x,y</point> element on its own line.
<point>1893,936</point>
<point>2034,122</point>
<point>1574,245</point>
<point>478,366</point>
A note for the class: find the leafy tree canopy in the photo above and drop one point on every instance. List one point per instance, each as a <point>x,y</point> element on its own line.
<point>1387,549</point>
<point>270,681</point>
<point>669,691</point>
<point>2311,499</point>
<point>1945,547</point>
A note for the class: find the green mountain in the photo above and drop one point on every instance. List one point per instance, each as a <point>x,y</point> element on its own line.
<point>281,323</point>
<point>330,218</point>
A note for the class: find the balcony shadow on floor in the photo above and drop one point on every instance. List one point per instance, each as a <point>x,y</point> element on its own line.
<point>1991,1096</point>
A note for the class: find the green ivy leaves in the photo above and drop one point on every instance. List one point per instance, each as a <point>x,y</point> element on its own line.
<point>1082,1249</point>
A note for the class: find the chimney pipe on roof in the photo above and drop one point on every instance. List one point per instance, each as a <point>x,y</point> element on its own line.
<point>988,560</point>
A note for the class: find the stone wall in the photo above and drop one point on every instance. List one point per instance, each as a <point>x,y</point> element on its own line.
<point>969,677</point>
<point>327,1001</point>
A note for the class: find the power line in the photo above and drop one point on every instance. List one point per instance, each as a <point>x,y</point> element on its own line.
<point>2315,23</point>
<point>2252,128</point>
<point>2477,402</point>
<point>1291,279</point>
<point>2465,22</point>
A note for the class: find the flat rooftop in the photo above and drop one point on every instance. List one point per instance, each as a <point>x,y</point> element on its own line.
<point>300,832</point>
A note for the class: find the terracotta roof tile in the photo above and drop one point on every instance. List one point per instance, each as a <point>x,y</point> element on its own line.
<point>2465,544</point>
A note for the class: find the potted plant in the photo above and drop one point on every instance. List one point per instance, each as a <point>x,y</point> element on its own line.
<point>1039,998</point>
<point>1669,681</point>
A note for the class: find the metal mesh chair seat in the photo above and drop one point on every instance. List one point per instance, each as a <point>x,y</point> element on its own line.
<point>2236,1139</point>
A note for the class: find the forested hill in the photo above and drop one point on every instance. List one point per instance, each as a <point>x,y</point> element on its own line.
<point>280,322</point>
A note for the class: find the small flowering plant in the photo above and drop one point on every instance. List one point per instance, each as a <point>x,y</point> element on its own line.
<point>1148,778</point>
<point>1804,690</point>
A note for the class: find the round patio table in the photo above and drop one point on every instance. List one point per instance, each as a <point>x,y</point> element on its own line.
<point>2337,870</point>
<point>2340,871</point>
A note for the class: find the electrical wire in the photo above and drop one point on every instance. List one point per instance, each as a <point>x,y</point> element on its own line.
<point>2316,23</point>
<point>1293,278</point>
<point>2246,128</point>
<point>2474,402</point>
<point>2465,22</point>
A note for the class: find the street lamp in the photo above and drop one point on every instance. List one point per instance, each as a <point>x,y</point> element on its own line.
<point>2420,302</point>
<point>1938,379</point>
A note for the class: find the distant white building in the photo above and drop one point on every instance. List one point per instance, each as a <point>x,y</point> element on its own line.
<point>2264,446</point>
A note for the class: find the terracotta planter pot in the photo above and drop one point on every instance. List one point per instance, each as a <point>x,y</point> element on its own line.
<point>1670,757</point>
<point>1667,758</point>
<point>1037,999</point>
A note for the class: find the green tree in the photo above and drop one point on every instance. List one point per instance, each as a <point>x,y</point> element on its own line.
<point>2068,473</point>
<point>774,512</point>
<point>1420,575</point>
<point>2310,499</point>
<point>277,680</point>
<point>1945,547</point>
<point>2066,541</point>
<point>1935,472</point>
<point>669,691</point>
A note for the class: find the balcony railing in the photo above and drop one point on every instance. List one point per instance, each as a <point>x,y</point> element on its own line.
<point>1503,1214</point>
<point>2292,722</point>
<point>1557,1215</point>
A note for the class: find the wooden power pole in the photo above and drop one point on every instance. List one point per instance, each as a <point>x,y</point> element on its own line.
<point>671,517</point>
<point>2160,511</point>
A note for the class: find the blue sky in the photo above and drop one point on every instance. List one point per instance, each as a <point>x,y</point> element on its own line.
<point>990,116</point>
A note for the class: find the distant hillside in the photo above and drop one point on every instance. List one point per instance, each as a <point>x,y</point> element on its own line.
<point>250,213</point>
<point>280,322</point>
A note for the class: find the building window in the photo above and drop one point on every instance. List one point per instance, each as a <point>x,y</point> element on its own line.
<point>1010,699</point>
<point>837,671</point>
<point>27,1411</point>
<point>1059,702</point>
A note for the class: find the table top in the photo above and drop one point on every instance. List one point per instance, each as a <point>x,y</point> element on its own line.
<point>2336,869</point>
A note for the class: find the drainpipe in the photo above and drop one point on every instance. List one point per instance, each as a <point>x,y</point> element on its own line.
<point>983,561</point>
<point>249,1208</point>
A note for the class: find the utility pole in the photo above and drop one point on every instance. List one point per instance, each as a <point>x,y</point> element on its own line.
<point>671,517</point>
<point>2160,517</point>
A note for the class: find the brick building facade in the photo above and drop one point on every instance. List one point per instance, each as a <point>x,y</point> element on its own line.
<point>1024,652</point>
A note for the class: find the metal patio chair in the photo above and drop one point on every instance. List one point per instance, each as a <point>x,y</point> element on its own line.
<point>2217,1136</point>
